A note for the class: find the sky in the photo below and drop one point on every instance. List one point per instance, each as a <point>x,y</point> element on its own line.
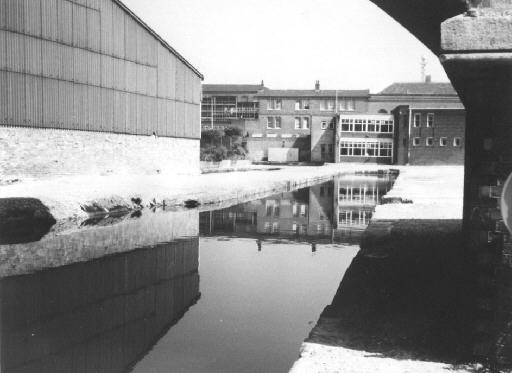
<point>346,44</point>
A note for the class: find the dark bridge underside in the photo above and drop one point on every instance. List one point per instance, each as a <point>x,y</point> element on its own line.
<point>423,17</point>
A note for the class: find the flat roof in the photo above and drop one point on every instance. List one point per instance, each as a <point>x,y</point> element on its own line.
<point>158,37</point>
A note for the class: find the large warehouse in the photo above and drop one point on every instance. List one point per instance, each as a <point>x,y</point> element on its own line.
<point>78,79</point>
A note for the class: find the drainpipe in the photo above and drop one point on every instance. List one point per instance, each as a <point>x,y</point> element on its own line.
<point>409,135</point>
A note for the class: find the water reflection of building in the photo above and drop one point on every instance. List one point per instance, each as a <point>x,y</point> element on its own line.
<point>346,204</point>
<point>93,317</point>
<point>356,200</point>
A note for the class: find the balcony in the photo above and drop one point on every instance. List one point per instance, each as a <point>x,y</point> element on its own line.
<point>224,114</point>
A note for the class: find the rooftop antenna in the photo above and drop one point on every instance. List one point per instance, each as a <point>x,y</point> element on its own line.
<point>423,68</point>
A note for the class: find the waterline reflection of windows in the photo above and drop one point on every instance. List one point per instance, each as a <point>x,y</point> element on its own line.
<point>273,208</point>
<point>354,218</point>
<point>271,227</point>
<point>299,210</point>
<point>362,194</point>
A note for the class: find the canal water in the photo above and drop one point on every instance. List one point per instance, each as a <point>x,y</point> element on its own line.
<point>232,290</point>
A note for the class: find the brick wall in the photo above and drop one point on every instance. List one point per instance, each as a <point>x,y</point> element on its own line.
<point>26,152</point>
<point>447,123</point>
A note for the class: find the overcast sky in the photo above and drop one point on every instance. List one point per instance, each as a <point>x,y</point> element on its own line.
<point>346,44</point>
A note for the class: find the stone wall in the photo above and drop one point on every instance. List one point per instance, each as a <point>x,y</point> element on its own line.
<point>29,152</point>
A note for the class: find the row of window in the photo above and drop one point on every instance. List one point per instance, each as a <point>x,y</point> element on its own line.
<point>366,149</point>
<point>417,120</point>
<point>276,123</point>
<point>354,217</point>
<point>367,125</point>
<point>344,104</point>
<point>443,141</point>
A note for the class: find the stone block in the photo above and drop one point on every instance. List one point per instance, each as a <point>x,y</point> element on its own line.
<point>486,32</point>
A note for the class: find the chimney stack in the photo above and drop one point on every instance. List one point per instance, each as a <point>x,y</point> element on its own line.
<point>262,83</point>
<point>428,79</point>
<point>317,85</point>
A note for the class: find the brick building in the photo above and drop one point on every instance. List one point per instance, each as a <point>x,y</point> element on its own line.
<point>301,119</point>
<point>429,135</point>
<point>342,125</point>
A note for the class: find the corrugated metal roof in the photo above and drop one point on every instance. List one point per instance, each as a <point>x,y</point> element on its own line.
<point>235,88</point>
<point>158,37</point>
<point>311,93</point>
<point>426,89</point>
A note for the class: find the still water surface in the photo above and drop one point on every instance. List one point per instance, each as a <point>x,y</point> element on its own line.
<point>239,295</point>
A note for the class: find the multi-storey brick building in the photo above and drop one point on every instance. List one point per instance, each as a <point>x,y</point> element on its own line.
<point>429,135</point>
<point>301,119</point>
<point>342,125</point>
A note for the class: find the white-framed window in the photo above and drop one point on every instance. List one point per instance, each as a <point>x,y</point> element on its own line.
<point>275,104</point>
<point>366,125</point>
<point>417,120</point>
<point>274,123</point>
<point>457,142</point>
<point>324,125</point>
<point>327,105</point>
<point>430,120</point>
<point>443,141</point>
<point>416,141</point>
<point>302,105</point>
<point>298,123</point>
<point>429,141</point>
<point>366,149</point>
<point>305,123</point>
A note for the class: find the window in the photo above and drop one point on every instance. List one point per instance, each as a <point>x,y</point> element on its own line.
<point>430,141</point>
<point>443,141</point>
<point>417,120</point>
<point>366,149</point>
<point>347,104</point>
<point>327,105</point>
<point>274,123</point>
<point>386,126</point>
<point>322,148</point>
<point>366,125</point>
<point>298,123</point>
<point>331,124</point>
<point>430,120</point>
<point>274,104</point>
<point>324,124</point>
<point>359,125</point>
<point>302,105</point>
<point>305,123</point>
<point>457,142</point>
<point>416,141</point>
<point>330,148</point>
<point>386,150</point>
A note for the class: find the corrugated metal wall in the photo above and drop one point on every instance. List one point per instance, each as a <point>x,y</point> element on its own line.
<point>89,65</point>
